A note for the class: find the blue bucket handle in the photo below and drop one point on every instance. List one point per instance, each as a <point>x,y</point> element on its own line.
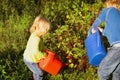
<point>98,37</point>
<point>97,33</point>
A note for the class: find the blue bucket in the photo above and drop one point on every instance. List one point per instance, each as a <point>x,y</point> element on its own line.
<point>95,48</point>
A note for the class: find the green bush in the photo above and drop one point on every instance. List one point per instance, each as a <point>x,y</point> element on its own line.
<point>70,20</point>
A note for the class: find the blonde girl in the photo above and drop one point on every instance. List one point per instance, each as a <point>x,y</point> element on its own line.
<point>33,52</point>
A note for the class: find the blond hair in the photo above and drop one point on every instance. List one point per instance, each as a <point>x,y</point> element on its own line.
<point>40,22</point>
<point>114,2</point>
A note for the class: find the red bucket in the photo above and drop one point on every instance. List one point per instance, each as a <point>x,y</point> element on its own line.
<point>50,64</point>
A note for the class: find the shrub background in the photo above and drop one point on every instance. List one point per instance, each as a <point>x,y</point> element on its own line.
<point>70,19</point>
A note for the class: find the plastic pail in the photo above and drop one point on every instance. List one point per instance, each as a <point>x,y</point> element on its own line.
<point>50,64</point>
<point>95,48</point>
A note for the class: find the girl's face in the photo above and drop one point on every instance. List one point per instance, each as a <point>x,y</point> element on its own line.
<point>41,31</point>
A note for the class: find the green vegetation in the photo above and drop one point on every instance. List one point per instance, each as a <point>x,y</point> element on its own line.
<point>71,20</point>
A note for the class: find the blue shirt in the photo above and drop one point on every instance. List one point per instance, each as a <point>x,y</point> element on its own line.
<point>111,16</point>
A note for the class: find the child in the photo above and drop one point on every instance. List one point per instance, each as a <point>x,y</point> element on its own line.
<point>33,52</point>
<point>110,65</point>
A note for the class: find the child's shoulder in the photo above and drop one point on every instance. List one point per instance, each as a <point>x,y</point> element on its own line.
<point>112,8</point>
<point>34,36</point>
<point>109,9</point>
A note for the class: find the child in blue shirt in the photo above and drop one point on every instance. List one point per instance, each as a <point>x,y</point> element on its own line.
<point>110,65</point>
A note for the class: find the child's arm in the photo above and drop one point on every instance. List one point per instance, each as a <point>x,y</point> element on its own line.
<point>100,29</point>
<point>99,20</point>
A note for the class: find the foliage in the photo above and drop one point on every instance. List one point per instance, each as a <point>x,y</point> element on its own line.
<point>71,74</point>
<point>12,66</point>
<point>70,19</point>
